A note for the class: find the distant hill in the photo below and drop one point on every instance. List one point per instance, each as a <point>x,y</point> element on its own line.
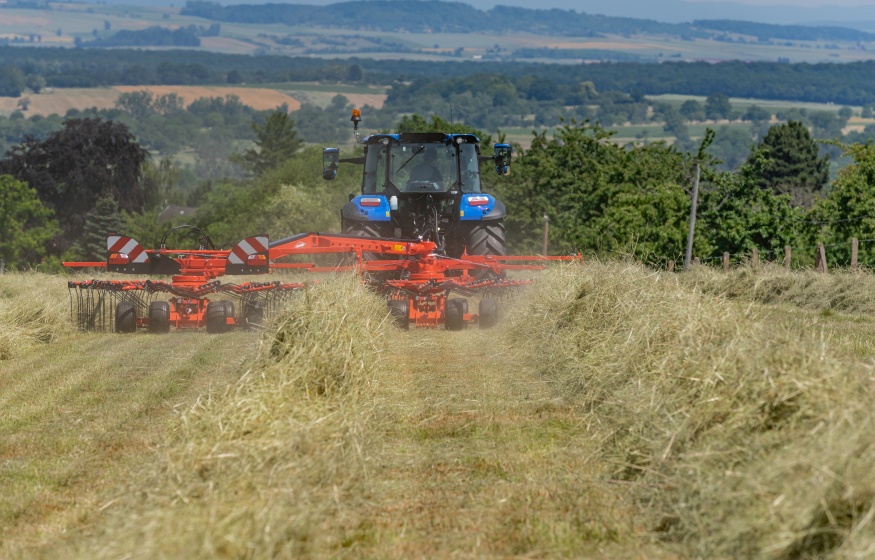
<point>456,17</point>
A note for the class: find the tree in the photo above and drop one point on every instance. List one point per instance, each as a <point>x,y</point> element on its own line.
<point>277,141</point>
<point>74,166</point>
<point>756,113</point>
<point>851,199</point>
<point>717,106</point>
<point>104,219</point>
<point>692,110</point>
<point>793,165</point>
<point>11,81</point>
<point>26,226</point>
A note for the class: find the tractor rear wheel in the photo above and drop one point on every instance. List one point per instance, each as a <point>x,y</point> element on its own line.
<point>159,317</point>
<point>488,313</point>
<point>454,319</point>
<point>125,317</point>
<point>486,238</point>
<point>399,310</point>
<point>217,315</point>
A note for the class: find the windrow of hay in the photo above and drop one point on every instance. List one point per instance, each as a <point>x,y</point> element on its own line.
<point>739,435</point>
<point>273,465</point>
<point>32,311</point>
<point>770,283</point>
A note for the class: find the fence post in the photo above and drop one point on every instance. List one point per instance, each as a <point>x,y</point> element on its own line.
<point>671,266</point>
<point>755,259</point>
<point>820,259</point>
<point>726,261</point>
<point>546,229</point>
<point>2,266</point>
<point>787,256</point>
<point>855,247</point>
<point>693,203</point>
<point>696,260</point>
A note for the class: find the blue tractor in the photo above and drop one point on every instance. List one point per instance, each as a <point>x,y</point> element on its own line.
<point>424,186</point>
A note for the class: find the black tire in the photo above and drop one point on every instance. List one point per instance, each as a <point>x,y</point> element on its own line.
<point>217,313</point>
<point>367,229</point>
<point>253,311</point>
<point>125,317</point>
<point>159,317</point>
<point>486,238</point>
<point>454,319</point>
<point>488,313</point>
<point>400,313</point>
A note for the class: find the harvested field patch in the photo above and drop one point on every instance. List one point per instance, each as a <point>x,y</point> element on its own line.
<point>258,99</point>
<point>59,101</point>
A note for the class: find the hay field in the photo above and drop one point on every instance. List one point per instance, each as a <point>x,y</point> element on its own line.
<point>617,412</point>
<point>257,98</point>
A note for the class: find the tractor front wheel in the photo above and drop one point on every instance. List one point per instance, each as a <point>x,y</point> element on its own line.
<point>486,238</point>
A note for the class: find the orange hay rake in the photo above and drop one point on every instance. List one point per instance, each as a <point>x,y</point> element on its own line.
<point>416,280</point>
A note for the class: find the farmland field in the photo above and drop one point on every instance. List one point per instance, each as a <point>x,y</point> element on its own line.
<point>617,412</point>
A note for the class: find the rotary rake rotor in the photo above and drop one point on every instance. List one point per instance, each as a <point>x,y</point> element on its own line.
<point>416,280</point>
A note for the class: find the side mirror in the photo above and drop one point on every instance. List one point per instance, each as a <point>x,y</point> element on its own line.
<point>330,159</point>
<point>502,159</point>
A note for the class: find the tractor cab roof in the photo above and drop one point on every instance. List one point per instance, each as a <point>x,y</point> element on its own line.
<point>422,137</point>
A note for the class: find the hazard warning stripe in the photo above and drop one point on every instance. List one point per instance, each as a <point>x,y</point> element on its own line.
<point>249,246</point>
<point>127,246</point>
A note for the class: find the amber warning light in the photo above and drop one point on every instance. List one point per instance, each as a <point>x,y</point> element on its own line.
<point>356,116</point>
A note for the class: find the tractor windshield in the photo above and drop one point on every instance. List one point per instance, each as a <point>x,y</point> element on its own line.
<point>421,167</point>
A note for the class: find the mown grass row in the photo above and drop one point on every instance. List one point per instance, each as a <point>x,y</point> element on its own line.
<point>33,310</point>
<point>274,464</point>
<point>741,436</point>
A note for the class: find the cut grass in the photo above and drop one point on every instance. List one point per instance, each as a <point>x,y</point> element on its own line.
<point>742,436</point>
<point>618,412</point>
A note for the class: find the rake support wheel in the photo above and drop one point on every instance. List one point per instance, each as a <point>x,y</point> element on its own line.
<point>125,317</point>
<point>159,317</point>
<point>217,314</point>
<point>454,319</point>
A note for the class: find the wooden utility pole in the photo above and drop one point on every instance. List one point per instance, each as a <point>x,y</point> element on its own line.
<point>855,248</point>
<point>787,256</point>
<point>546,229</point>
<point>695,202</point>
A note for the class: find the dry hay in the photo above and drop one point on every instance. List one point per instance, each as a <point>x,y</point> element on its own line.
<point>259,99</point>
<point>33,310</point>
<point>741,436</point>
<point>271,465</point>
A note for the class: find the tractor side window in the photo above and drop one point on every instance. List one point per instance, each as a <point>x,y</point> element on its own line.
<point>470,168</point>
<point>375,170</point>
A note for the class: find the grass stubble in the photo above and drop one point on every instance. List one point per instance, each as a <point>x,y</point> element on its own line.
<point>617,412</point>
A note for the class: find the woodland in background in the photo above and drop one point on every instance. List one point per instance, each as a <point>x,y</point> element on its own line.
<point>92,178</point>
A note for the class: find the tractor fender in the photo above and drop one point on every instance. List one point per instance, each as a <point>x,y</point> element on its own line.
<point>374,209</point>
<point>497,212</point>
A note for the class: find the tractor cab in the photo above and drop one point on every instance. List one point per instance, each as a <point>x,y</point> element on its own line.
<point>424,185</point>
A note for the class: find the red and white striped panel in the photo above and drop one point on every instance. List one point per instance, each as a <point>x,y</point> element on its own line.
<point>249,246</point>
<point>127,246</point>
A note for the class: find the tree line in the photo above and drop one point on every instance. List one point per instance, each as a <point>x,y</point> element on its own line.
<point>62,195</point>
<point>457,17</point>
<point>847,83</point>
